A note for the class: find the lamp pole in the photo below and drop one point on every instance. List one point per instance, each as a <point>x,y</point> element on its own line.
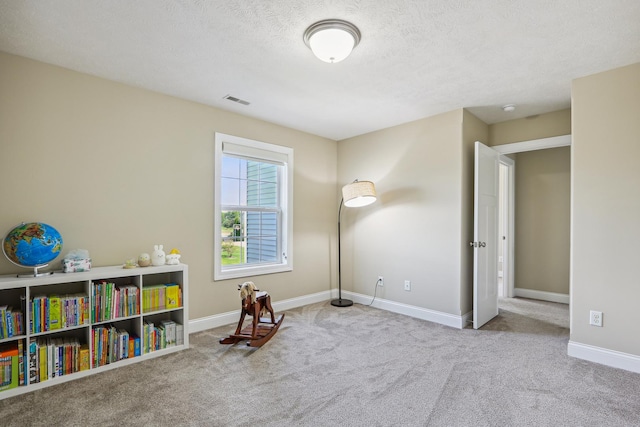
<point>340,302</point>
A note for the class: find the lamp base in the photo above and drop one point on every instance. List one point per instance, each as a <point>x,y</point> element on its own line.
<point>341,302</point>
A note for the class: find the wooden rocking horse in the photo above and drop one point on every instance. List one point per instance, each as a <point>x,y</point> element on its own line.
<point>256,304</point>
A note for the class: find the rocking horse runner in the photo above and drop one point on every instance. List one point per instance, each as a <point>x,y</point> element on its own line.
<point>256,304</point>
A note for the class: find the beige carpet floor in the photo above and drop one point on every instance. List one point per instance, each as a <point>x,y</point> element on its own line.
<point>356,366</point>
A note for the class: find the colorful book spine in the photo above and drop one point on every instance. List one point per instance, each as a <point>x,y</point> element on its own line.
<point>179,334</point>
<point>3,327</point>
<point>42,365</point>
<point>84,358</point>
<point>55,314</point>
<point>137,350</point>
<point>172,296</point>
<point>33,362</point>
<point>11,322</point>
<point>170,332</point>
<point>21,364</point>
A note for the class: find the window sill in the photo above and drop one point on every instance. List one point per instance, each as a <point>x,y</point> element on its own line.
<point>251,271</point>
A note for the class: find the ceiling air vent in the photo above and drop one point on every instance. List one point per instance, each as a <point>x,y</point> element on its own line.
<point>238,100</point>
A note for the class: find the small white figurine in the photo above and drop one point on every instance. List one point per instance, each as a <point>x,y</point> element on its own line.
<point>144,260</point>
<point>158,256</point>
<point>173,258</point>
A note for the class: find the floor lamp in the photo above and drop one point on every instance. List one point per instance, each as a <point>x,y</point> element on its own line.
<point>354,195</point>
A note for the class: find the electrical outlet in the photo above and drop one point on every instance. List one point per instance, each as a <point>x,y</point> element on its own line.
<point>407,285</point>
<point>595,318</point>
<point>380,281</point>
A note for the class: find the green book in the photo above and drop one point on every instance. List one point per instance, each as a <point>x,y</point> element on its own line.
<point>55,313</point>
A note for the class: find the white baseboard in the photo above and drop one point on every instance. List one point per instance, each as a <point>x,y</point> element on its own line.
<point>615,359</point>
<point>446,319</point>
<point>230,317</point>
<point>541,295</point>
<point>222,319</point>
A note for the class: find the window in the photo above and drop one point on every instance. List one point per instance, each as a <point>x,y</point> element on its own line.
<point>253,207</point>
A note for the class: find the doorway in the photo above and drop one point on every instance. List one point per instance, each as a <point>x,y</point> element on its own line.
<point>506,227</point>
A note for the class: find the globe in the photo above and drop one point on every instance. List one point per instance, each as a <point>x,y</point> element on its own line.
<point>32,245</point>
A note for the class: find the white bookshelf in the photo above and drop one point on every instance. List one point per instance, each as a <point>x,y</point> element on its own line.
<point>17,291</point>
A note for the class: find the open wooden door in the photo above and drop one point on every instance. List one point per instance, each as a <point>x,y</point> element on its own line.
<point>485,235</point>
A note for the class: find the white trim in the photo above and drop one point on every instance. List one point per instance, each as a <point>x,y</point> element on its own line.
<point>604,356</point>
<point>508,261</point>
<point>541,295</point>
<point>534,144</point>
<point>446,319</point>
<point>230,317</point>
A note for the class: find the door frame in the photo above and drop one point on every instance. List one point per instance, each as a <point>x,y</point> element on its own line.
<point>508,247</point>
<point>534,144</point>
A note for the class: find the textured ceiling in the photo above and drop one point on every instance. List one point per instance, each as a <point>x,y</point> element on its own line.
<point>417,58</point>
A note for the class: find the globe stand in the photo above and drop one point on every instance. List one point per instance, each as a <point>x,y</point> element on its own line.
<point>35,272</point>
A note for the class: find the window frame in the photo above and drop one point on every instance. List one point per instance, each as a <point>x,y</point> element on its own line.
<point>266,152</point>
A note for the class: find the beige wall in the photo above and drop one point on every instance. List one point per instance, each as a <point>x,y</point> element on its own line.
<point>542,220</point>
<point>416,229</point>
<point>118,169</point>
<point>606,208</point>
<point>535,127</point>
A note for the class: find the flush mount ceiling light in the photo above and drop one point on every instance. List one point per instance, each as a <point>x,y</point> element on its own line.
<point>509,108</point>
<point>332,40</point>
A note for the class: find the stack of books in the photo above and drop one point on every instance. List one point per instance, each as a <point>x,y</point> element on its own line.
<point>161,297</point>
<point>167,334</point>
<point>111,344</point>
<point>55,357</point>
<point>11,322</point>
<point>53,312</point>
<point>111,301</point>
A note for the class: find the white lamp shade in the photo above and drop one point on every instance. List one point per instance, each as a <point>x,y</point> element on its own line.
<point>331,45</point>
<point>359,193</point>
<point>332,40</point>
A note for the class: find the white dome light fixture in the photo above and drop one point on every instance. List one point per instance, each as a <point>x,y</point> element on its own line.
<point>509,108</point>
<point>332,40</point>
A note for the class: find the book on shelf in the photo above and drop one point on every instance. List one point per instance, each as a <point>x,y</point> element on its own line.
<point>179,334</point>
<point>173,295</point>
<point>84,363</point>
<point>33,362</point>
<point>137,350</point>
<point>170,331</point>
<point>55,321</point>
<point>21,364</point>
<point>42,363</point>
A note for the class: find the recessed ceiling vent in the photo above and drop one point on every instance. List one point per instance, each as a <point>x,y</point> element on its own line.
<point>238,100</point>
